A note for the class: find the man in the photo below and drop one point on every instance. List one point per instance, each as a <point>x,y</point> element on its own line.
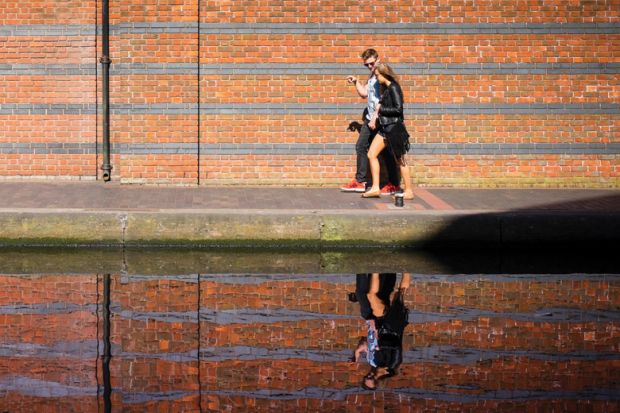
<point>370,91</point>
<point>386,317</point>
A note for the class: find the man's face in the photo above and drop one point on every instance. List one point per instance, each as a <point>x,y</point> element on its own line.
<point>371,63</point>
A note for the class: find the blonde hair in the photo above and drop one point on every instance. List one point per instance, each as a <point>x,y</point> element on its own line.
<point>386,71</point>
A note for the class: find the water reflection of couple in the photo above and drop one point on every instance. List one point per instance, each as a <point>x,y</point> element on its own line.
<point>383,308</point>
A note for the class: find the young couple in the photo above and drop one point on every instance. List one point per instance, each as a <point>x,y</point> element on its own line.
<point>383,116</point>
<point>386,316</point>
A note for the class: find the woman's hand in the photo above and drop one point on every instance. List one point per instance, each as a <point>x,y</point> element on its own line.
<point>373,123</point>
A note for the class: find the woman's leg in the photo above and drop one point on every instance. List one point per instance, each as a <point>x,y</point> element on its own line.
<point>404,171</point>
<point>376,147</point>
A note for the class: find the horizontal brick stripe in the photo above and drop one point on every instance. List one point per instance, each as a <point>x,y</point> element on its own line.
<point>397,28</point>
<point>68,30</point>
<point>257,279</point>
<point>51,50</point>
<point>586,171</point>
<point>423,91</point>
<point>43,388</point>
<point>444,11</point>
<point>294,372</point>
<point>329,89</point>
<point>20,69</point>
<point>326,91</point>
<point>279,109</point>
<point>361,402</point>
<point>48,89</point>
<point>312,149</point>
<point>267,69</point>
<point>434,354</point>
<point>333,128</point>
<point>47,109</point>
<point>344,48</point>
<point>268,316</point>
<point>147,336</point>
<point>309,28</point>
<point>78,128</point>
<point>44,165</point>
<point>290,374</point>
<point>52,390</point>
<point>325,294</point>
<point>400,68</point>
<point>44,11</point>
<point>333,394</point>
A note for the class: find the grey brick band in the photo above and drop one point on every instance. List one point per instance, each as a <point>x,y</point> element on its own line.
<point>355,109</point>
<point>47,70</point>
<point>413,69</point>
<point>48,30</point>
<point>469,149</point>
<point>305,109</point>
<point>333,28</point>
<point>47,109</point>
<point>409,28</point>
<point>321,69</point>
<point>411,109</point>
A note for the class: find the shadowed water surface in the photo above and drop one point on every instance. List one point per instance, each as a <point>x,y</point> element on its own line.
<point>198,331</point>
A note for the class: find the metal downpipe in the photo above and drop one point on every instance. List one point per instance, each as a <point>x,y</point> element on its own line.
<point>105,65</point>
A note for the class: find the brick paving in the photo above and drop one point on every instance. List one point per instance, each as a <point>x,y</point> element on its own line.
<point>113,196</point>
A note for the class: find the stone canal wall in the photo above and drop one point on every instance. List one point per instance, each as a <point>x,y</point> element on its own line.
<point>520,93</point>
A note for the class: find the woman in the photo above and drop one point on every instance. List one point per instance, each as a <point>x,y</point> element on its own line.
<point>389,114</point>
<point>385,327</point>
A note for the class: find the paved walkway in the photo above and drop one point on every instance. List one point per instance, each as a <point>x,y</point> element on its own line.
<point>96,213</point>
<point>113,196</point>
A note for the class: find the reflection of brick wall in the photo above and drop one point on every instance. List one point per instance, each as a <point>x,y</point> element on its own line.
<point>493,342</point>
<point>497,93</point>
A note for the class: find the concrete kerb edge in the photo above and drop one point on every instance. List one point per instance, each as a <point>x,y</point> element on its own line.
<point>303,228</point>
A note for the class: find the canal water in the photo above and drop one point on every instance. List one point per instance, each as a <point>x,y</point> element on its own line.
<point>210,331</point>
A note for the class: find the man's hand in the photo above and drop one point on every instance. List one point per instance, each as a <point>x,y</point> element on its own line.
<point>351,79</point>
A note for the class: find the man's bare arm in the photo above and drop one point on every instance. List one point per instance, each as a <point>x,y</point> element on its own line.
<point>360,88</point>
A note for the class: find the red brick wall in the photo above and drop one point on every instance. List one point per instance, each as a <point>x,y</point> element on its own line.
<point>475,78</point>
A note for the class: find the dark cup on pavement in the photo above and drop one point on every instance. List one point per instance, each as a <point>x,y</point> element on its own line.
<point>399,199</point>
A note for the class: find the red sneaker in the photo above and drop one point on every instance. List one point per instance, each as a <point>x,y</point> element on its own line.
<point>354,186</point>
<point>390,189</point>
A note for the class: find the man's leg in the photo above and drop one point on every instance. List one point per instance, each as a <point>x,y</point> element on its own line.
<point>361,150</point>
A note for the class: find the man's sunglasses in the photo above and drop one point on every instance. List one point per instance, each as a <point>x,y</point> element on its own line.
<point>370,64</point>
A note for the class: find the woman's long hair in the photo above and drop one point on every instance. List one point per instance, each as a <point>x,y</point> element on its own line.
<point>386,71</point>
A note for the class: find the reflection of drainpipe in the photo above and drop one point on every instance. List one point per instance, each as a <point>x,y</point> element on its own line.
<point>105,65</point>
<point>107,353</point>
